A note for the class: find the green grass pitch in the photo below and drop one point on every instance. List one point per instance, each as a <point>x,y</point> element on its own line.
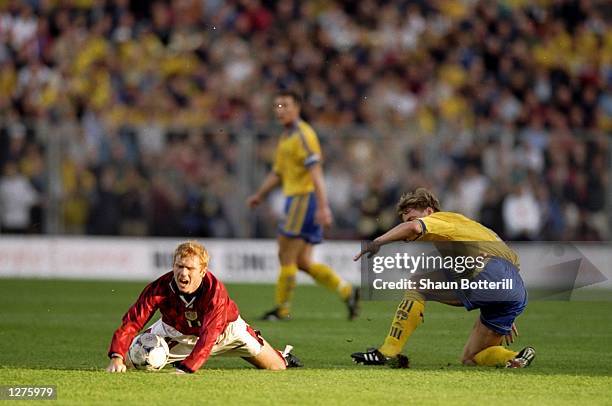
<point>57,332</point>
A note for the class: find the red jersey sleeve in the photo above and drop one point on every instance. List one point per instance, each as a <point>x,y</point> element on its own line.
<point>136,317</point>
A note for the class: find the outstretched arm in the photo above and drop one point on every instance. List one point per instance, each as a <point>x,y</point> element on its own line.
<point>133,321</point>
<point>271,181</point>
<point>407,231</point>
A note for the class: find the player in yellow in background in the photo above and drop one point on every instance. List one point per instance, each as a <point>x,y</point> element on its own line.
<point>423,221</point>
<point>297,167</point>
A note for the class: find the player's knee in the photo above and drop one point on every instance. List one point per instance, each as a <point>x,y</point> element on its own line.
<point>467,358</point>
<point>468,361</point>
<point>284,258</point>
<point>303,264</point>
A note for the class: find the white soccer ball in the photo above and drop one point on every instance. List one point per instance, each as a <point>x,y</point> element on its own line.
<point>149,351</point>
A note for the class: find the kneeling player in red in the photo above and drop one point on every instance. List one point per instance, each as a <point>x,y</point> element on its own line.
<point>198,319</point>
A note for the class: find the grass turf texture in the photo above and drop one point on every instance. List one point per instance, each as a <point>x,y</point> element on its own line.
<point>57,333</point>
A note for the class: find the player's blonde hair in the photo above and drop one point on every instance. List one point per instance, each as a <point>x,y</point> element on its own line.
<point>189,248</point>
<point>419,199</point>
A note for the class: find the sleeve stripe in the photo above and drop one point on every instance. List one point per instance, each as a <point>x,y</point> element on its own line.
<point>423,227</point>
<point>312,159</point>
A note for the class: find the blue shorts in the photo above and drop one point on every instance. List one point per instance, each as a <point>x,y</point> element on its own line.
<point>498,307</point>
<point>299,219</point>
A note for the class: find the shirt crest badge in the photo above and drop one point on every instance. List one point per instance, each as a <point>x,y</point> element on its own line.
<point>191,315</point>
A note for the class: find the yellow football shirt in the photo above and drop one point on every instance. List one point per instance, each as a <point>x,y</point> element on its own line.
<point>298,149</point>
<point>448,226</point>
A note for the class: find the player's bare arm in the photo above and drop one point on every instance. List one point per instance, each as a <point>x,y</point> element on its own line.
<point>323,215</point>
<point>271,181</point>
<point>407,231</point>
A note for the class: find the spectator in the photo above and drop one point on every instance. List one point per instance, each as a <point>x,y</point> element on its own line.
<point>17,198</point>
<point>149,84</point>
<point>104,217</point>
<point>522,215</point>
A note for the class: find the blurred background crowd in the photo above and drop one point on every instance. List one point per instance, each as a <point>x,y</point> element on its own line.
<point>122,117</point>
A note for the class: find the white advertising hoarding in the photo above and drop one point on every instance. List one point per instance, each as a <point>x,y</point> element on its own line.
<point>250,261</point>
<point>147,258</point>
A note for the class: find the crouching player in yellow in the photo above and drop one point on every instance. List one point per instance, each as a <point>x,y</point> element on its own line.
<point>423,221</point>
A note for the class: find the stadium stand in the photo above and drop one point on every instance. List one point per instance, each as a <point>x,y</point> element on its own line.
<point>137,118</point>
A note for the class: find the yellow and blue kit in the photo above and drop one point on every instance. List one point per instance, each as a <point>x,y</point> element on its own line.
<point>298,149</point>
<point>498,307</point>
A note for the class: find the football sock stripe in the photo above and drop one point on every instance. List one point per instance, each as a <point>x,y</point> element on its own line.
<point>408,316</point>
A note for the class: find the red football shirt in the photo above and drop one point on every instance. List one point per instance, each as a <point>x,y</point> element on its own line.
<point>205,314</point>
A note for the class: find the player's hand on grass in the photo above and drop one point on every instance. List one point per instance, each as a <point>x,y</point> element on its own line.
<point>116,365</point>
<point>254,200</point>
<point>323,216</point>
<point>370,248</point>
<point>509,338</point>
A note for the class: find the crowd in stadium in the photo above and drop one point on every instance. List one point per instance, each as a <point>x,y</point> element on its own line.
<point>503,108</point>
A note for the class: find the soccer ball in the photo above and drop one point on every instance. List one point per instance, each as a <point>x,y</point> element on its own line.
<point>149,351</point>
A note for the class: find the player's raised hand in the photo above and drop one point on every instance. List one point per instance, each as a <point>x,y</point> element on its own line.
<point>370,248</point>
<point>254,201</point>
<point>323,216</point>
<point>116,365</point>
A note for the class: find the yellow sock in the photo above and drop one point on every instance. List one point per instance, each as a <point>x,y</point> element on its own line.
<point>326,276</point>
<point>285,287</point>
<point>408,316</point>
<point>494,356</point>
